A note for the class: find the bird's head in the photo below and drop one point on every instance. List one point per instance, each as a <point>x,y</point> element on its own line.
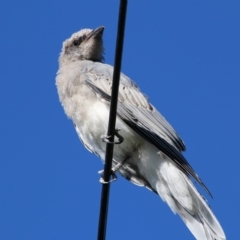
<point>86,44</point>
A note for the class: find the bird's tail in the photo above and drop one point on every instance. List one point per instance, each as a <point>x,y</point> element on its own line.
<point>184,199</point>
<point>203,224</point>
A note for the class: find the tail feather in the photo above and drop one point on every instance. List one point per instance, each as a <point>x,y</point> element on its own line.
<point>204,218</point>
<point>184,199</point>
<point>195,224</point>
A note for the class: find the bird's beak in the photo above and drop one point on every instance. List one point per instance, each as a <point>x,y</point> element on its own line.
<point>96,33</point>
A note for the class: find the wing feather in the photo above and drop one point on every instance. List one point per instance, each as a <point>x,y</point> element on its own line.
<point>136,111</point>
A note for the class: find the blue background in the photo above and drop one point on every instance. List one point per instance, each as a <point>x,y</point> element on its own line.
<point>185,55</point>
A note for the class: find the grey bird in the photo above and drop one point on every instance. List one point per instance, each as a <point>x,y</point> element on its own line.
<point>150,154</point>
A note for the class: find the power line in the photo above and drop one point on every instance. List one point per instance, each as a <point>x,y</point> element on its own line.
<point>102,225</point>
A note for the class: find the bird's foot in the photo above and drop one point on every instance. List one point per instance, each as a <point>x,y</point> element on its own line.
<point>105,138</point>
<point>113,177</point>
<point>113,171</point>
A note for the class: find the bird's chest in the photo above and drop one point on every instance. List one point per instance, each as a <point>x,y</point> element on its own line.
<point>90,116</point>
<point>92,123</point>
<point>94,119</point>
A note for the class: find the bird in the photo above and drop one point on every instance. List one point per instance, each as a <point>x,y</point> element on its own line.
<point>150,154</point>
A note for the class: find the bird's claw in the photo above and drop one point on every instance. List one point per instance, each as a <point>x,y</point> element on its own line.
<point>105,138</point>
<point>113,177</point>
<point>113,171</point>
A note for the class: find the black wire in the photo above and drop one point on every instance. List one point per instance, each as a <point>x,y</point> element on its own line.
<point>102,225</point>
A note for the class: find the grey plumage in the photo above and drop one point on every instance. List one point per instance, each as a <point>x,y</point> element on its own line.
<point>151,146</point>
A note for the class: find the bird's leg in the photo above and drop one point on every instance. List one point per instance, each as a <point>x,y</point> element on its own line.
<point>119,165</point>
<point>105,138</point>
<point>113,171</point>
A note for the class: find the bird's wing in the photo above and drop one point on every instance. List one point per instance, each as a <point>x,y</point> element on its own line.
<point>137,112</point>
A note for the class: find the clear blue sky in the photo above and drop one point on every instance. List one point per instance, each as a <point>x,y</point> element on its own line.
<point>185,55</point>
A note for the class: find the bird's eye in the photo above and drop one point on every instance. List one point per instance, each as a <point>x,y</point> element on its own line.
<point>76,42</point>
